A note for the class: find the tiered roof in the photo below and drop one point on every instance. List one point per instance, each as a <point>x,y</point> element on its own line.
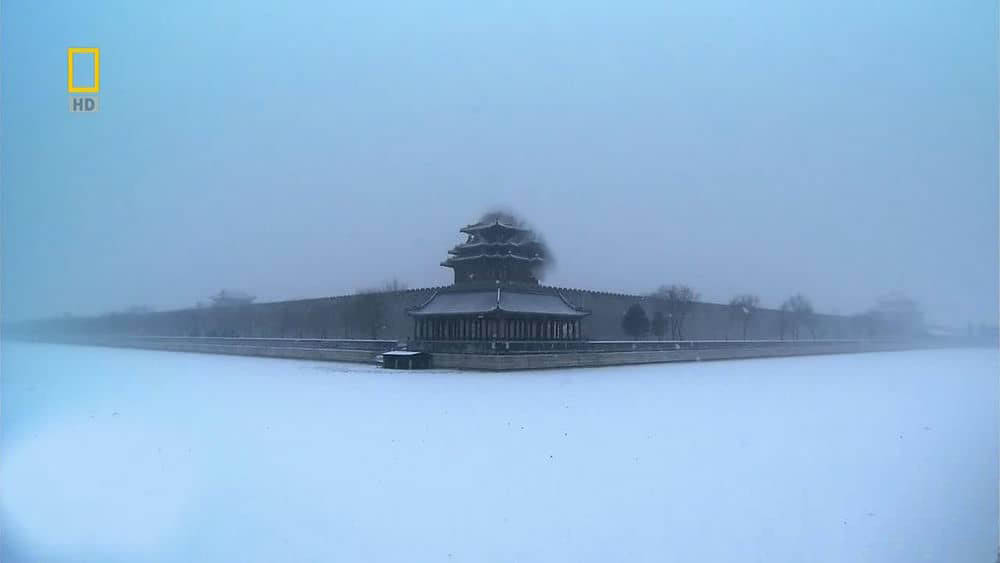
<point>495,240</point>
<point>522,300</point>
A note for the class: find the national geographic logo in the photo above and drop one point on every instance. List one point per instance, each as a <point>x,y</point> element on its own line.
<point>78,61</point>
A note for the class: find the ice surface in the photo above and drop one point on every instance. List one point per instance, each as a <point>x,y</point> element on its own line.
<point>132,455</point>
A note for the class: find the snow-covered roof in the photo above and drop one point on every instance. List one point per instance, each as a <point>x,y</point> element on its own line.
<point>482,226</point>
<point>508,256</point>
<point>498,300</point>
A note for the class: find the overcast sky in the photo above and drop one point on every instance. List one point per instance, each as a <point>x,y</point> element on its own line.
<point>294,149</point>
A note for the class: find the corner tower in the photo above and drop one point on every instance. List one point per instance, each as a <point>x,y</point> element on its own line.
<point>496,304</point>
<point>496,251</point>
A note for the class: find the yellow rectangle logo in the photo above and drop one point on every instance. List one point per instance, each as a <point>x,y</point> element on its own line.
<point>97,69</point>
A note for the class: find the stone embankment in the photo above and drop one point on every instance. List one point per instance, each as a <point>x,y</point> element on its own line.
<point>589,354</point>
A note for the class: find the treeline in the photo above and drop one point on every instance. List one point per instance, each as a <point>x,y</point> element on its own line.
<point>894,315</point>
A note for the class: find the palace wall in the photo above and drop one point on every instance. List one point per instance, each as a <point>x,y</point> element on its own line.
<point>705,321</point>
<point>351,317</point>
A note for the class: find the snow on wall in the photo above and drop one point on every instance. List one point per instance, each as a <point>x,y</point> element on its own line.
<point>330,317</point>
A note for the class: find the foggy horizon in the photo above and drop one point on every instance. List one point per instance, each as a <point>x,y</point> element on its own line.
<point>842,152</point>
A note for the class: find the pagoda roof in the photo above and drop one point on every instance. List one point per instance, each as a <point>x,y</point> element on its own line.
<point>482,243</point>
<point>505,256</point>
<point>501,299</point>
<point>495,223</point>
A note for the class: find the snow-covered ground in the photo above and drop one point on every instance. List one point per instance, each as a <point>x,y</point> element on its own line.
<point>132,455</point>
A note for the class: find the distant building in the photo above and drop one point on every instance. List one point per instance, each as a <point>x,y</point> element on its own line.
<point>231,298</point>
<point>496,295</point>
<point>898,315</point>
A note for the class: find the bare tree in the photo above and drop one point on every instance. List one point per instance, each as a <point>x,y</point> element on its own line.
<point>742,309</point>
<point>680,300</point>
<point>897,315</point>
<point>394,285</point>
<point>346,315</point>
<point>797,312</point>
<point>369,307</point>
<point>658,326</point>
<point>369,311</point>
